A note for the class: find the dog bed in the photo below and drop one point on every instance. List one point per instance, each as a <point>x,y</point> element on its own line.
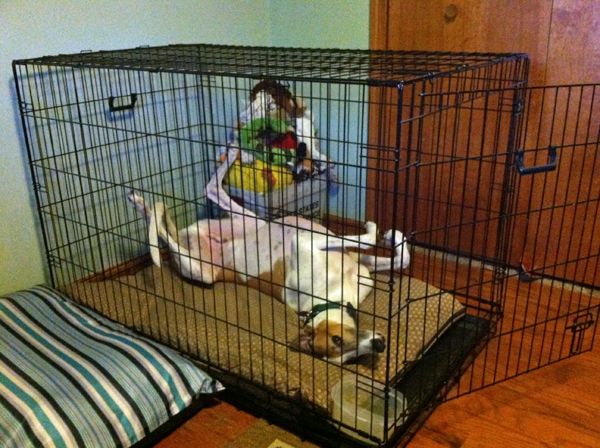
<point>247,333</point>
<point>69,377</point>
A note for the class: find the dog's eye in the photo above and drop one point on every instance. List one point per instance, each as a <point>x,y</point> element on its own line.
<point>337,340</point>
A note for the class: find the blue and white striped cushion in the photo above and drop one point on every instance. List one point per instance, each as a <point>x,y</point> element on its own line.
<point>69,377</point>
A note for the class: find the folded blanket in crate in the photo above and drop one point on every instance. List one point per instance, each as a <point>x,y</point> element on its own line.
<point>69,377</point>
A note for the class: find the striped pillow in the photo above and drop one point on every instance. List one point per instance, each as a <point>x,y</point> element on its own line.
<point>69,377</point>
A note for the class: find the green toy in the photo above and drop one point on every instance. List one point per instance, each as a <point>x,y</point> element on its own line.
<point>261,136</point>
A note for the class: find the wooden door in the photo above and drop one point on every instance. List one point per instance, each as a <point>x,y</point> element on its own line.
<point>562,39</point>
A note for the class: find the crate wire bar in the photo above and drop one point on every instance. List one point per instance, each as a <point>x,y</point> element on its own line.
<point>480,172</point>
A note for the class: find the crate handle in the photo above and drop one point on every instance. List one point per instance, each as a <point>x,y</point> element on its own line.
<point>550,166</point>
<point>113,108</point>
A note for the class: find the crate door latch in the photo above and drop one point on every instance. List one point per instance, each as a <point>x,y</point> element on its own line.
<point>580,324</point>
<point>550,166</point>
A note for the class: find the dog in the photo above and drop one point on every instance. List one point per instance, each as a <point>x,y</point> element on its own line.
<point>299,262</point>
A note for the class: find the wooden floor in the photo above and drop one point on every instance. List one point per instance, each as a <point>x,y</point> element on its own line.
<point>557,406</point>
<point>214,426</point>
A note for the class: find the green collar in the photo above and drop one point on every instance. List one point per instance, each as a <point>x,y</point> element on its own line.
<point>318,309</point>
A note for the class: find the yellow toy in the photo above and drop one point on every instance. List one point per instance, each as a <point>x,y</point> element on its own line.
<point>259,176</point>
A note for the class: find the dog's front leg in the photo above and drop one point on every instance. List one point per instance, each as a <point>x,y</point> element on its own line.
<point>364,241</point>
<point>401,260</point>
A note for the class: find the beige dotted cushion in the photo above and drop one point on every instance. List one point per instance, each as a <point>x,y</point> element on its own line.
<point>248,333</point>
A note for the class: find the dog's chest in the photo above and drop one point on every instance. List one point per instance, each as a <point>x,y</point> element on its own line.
<point>286,256</point>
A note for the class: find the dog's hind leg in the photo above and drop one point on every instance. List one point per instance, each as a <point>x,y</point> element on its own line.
<point>401,259</point>
<point>138,202</point>
<point>187,264</point>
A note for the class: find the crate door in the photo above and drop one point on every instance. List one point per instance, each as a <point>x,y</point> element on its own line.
<point>551,286</point>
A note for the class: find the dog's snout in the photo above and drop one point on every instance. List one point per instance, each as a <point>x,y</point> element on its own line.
<point>378,344</point>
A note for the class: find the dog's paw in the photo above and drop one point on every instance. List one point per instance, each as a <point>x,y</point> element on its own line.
<point>133,198</point>
<point>393,238</point>
<point>371,227</point>
<point>229,154</point>
<point>137,201</point>
<point>246,157</point>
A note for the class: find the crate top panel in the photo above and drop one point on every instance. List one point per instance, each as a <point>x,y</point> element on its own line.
<point>303,64</point>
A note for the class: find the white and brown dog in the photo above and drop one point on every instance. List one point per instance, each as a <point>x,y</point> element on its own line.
<point>298,261</point>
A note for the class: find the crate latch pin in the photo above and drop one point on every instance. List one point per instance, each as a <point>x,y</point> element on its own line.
<point>578,327</point>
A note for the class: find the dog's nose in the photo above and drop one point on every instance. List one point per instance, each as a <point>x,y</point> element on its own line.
<point>378,344</point>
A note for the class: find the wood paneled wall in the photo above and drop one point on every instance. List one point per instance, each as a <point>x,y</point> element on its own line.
<point>562,37</point>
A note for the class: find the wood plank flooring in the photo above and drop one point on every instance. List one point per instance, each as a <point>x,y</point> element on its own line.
<point>213,426</point>
<point>557,406</point>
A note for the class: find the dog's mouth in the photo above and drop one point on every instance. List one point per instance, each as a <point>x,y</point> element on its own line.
<point>365,353</point>
<point>306,342</point>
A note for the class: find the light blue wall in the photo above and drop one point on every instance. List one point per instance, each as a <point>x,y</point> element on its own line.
<point>320,23</point>
<point>333,24</point>
<point>34,28</point>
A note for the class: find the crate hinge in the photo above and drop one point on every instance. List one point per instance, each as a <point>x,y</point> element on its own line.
<point>53,261</point>
<point>25,107</point>
<point>38,187</point>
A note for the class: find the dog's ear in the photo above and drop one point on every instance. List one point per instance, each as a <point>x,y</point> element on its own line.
<point>351,311</point>
<point>303,343</point>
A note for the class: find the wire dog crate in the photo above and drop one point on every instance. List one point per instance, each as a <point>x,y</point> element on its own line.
<point>489,180</point>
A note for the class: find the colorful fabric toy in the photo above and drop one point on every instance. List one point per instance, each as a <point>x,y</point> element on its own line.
<point>270,140</point>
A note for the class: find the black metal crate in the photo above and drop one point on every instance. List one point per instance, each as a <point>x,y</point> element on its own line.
<point>455,150</point>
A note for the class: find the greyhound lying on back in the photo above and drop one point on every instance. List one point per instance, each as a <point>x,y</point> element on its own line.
<point>298,261</point>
